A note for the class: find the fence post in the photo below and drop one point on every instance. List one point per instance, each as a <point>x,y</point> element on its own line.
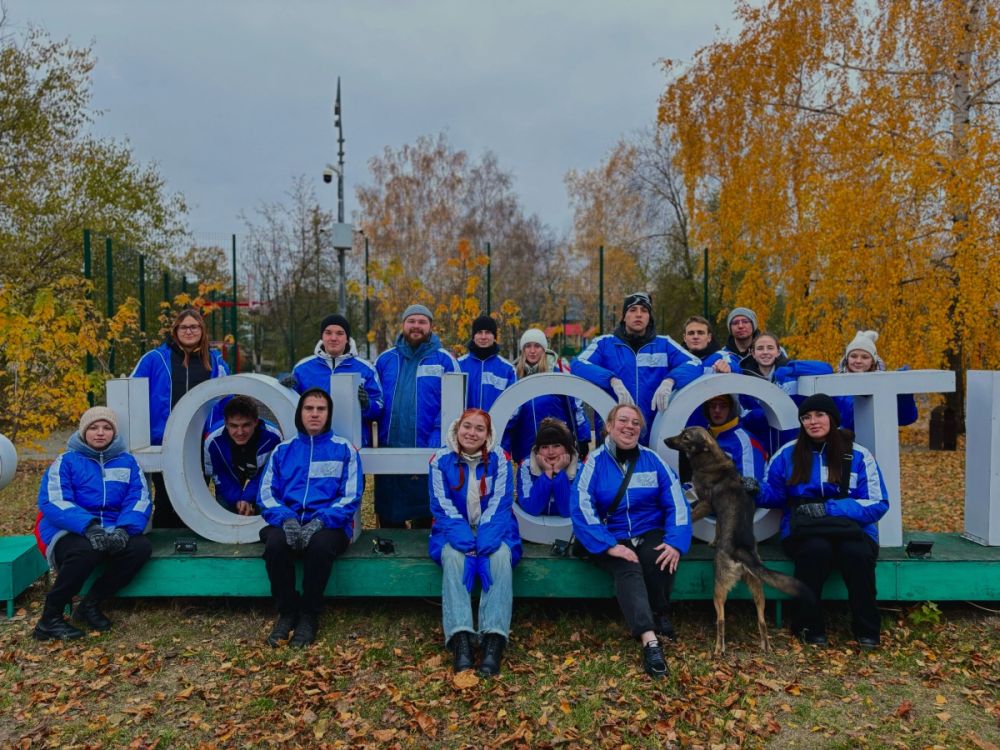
<point>368,320</point>
<point>110,277</point>
<point>236,346</point>
<point>489,278</point>
<point>600,291</point>
<point>88,274</point>
<point>142,296</point>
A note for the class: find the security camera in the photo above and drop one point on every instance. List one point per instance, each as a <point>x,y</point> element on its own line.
<point>327,175</point>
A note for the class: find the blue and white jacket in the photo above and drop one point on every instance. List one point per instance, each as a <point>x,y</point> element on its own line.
<point>610,357</point>
<point>748,454</point>
<point>218,460</point>
<point>540,495</point>
<point>487,379</point>
<point>524,424</point>
<point>867,503</point>
<point>155,365</point>
<point>311,477</point>
<point>84,485</point>
<point>424,399</point>
<point>785,375</point>
<point>315,372</point>
<point>653,500</point>
<point>449,506</point>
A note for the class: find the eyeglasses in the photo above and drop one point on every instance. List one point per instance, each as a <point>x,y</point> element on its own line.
<point>189,329</point>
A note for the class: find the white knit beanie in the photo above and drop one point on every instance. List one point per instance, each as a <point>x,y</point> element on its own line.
<point>533,336</point>
<point>865,341</point>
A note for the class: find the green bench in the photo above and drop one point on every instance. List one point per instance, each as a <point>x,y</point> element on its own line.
<point>21,564</point>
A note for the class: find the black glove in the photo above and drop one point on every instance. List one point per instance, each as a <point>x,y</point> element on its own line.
<point>751,486</point>
<point>308,531</point>
<point>117,539</point>
<point>363,397</point>
<point>293,532</point>
<point>583,449</point>
<point>97,537</point>
<point>812,510</point>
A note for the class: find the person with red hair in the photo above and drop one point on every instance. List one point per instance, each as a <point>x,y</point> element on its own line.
<point>474,537</point>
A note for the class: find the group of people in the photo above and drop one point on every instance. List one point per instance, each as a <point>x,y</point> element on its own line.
<point>628,508</point>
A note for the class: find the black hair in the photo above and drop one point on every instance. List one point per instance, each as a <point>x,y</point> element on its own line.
<point>241,406</point>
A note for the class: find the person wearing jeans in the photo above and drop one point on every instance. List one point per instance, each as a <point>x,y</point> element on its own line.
<point>474,538</point>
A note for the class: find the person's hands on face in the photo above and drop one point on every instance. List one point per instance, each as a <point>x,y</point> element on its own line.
<point>551,458</point>
<point>244,508</point>
<point>620,550</point>
<point>668,557</point>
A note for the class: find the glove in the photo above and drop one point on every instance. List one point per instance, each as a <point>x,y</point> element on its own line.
<point>662,396</point>
<point>363,397</point>
<point>117,540</point>
<point>308,531</point>
<point>621,392</point>
<point>812,510</point>
<point>470,572</point>
<point>582,449</point>
<point>293,532</point>
<point>751,486</point>
<point>97,537</point>
<point>483,571</point>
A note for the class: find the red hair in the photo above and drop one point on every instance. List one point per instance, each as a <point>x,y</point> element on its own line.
<point>473,412</point>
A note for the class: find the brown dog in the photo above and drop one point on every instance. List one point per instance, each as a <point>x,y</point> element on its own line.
<point>720,491</point>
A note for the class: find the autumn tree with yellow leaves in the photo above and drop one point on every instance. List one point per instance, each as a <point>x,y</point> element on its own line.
<point>841,158</point>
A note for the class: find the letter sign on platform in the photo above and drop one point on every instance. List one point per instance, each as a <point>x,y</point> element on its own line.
<point>8,461</point>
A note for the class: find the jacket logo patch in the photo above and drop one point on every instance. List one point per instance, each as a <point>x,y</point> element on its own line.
<point>497,382</point>
<point>652,359</point>
<point>323,469</point>
<point>117,475</point>
<point>430,371</point>
<point>642,479</point>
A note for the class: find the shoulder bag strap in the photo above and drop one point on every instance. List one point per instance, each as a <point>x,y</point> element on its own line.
<point>621,490</point>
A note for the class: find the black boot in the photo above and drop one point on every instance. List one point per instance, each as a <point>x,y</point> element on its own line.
<point>89,613</point>
<point>54,627</point>
<point>282,629</point>
<point>461,649</point>
<point>305,631</point>
<point>493,645</point>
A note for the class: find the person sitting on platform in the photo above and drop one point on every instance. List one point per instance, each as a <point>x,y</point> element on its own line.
<point>861,356</point>
<point>236,452</point>
<point>545,477</point>
<point>309,494</point>
<point>93,507</point>
<point>723,415</point>
<point>474,535</point>
<point>698,340</point>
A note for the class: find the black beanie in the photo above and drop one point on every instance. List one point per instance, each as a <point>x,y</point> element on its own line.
<point>637,298</point>
<point>554,431</point>
<point>821,402</point>
<point>484,323</point>
<point>335,320</point>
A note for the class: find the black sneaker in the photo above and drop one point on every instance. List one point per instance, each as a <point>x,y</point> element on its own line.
<point>493,645</point>
<point>90,614</point>
<point>653,661</point>
<point>282,629</point>
<point>460,646</point>
<point>305,631</point>
<point>55,628</point>
<point>664,628</point>
<point>811,638</point>
<point>868,643</point>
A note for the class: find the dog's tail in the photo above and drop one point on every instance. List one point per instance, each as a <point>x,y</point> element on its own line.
<point>785,583</point>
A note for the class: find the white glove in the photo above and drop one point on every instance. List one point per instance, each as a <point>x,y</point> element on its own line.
<point>624,397</point>
<point>662,396</point>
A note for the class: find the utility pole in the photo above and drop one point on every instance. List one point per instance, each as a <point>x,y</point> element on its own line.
<point>343,234</point>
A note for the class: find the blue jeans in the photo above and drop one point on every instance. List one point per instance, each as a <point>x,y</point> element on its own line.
<point>494,605</point>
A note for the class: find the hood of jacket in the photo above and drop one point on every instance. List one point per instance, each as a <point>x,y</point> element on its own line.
<point>115,448</point>
<point>299,425</point>
<point>351,351</point>
<point>751,367</point>
<point>451,438</point>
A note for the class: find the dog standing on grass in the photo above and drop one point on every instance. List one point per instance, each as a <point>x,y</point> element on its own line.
<point>720,491</point>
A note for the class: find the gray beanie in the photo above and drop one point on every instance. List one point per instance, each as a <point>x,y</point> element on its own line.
<point>746,312</point>
<point>533,336</point>
<point>96,414</point>
<point>416,310</point>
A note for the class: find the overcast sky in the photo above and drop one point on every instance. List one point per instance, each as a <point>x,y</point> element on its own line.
<point>231,99</point>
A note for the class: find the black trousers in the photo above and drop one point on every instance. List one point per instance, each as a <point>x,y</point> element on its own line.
<point>815,557</point>
<point>76,560</point>
<point>164,515</point>
<point>317,562</point>
<point>642,588</point>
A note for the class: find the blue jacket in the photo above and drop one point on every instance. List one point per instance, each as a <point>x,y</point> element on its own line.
<point>417,403</point>
<point>742,448</point>
<point>84,485</point>
<point>311,477</point>
<point>653,500</point>
<point>497,524</point>
<point>524,424</point>
<point>785,375</point>
<point>487,379</point>
<point>610,357</point>
<point>867,503</point>
<point>218,460</point>
<point>538,494</point>
<point>315,372</point>
<point>155,365</point>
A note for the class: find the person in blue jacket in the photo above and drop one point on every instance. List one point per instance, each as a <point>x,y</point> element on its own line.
<point>93,507</point>
<point>833,495</point>
<point>336,353</point>
<point>535,358</point>
<point>309,494</point>
<point>861,356</point>
<point>410,373</point>
<point>630,515</point>
<point>180,363</point>
<point>487,373</point>
<point>635,365</point>
<point>545,477</point>
<point>723,416</point>
<point>698,340</point>
<point>236,452</point>
<point>474,537</point>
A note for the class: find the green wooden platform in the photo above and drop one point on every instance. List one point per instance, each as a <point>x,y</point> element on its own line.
<point>21,564</point>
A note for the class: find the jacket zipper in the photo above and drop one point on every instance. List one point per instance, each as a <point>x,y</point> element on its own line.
<point>305,496</point>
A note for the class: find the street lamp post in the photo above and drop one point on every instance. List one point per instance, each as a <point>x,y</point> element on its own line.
<point>343,234</point>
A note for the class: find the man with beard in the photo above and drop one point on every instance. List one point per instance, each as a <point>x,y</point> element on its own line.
<point>410,373</point>
<point>635,365</point>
